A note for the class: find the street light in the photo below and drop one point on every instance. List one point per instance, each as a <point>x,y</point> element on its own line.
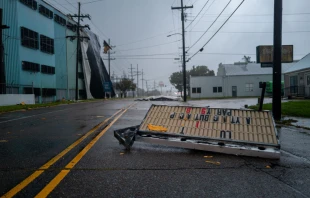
<point>174,34</point>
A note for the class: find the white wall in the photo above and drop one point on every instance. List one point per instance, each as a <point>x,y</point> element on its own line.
<point>226,82</point>
<point>13,99</point>
<point>206,83</point>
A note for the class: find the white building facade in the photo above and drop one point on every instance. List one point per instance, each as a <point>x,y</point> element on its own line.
<point>233,81</point>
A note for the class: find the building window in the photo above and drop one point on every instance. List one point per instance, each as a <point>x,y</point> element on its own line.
<point>30,3</point>
<point>30,90</point>
<point>46,44</point>
<point>81,75</point>
<point>198,89</point>
<point>48,92</point>
<point>71,26</point>
<point>214,89</point>
<point>60,20</point>
<point>194,90</point>
<point>249,87</point>
<point>28,66</point>
<point>46,12</point>
<point>47,69</point>
<point>308,80</point>
<point>219,89</point>
<point>293,80</point>
<point>29,38</point>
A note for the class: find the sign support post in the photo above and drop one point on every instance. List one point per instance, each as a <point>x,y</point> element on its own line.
<point>277,53</point>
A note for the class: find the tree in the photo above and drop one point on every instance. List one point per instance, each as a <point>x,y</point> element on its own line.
<point>124,85</point>
<point>176,78</point>
<point>247,59</point>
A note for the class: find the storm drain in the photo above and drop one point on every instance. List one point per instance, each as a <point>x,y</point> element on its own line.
<point>232,131</point>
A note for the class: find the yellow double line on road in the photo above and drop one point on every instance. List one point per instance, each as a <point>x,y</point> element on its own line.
<point>71,164</point>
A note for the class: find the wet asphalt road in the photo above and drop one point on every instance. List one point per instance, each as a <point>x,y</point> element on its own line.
<point>34,137</point>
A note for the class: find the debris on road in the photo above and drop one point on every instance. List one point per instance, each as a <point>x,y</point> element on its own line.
<point>230,131</point>
<point>212,162</point>
<point>160,98</point>
<point>208,156</point>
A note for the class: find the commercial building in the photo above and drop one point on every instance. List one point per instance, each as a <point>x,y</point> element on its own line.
<point>233,80</point>
<point>39,57</point>
<point>297,78</point>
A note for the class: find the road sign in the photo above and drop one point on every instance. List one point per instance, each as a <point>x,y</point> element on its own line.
<point>264,54</point>
<point>107,87</point>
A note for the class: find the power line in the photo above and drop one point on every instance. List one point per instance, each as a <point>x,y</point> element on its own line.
<point>150,46</point>
<point>260,32</point>
<point>197,14</point>
<point>210,26</point>
<point>253,14</point>
<point>201,49</point>
<point>204,13</point>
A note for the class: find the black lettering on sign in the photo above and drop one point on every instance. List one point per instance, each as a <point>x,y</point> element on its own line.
<point>189,116</point>
<point>224,112</point>
<point>182,130</point>
<point>181,115</point>
<point>172,115</point>
<point>225,118</point>
<point>225,134</point>
<point>209,111</point>
<point>232,120</point>
<point>219,111</point>
<point>202,117</point>
<point>237,120</point>
<point>206,117</point>
<point>248,120</point>
<point>229,112</point>
<point>196,116</point>
<point>216,118</point>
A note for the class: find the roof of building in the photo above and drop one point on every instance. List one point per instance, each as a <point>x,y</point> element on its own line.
<point>251,69</point>
<point>304,63</point>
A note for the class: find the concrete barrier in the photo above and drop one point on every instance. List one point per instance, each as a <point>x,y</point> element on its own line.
<point>13,99</point>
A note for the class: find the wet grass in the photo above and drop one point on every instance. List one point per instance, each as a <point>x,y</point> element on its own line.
<point>32,106</point>
<point>291,108</point>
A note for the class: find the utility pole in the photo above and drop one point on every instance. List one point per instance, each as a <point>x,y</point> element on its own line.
<point>183,41</point>
<point>137,81</point>
<point>277,59</point>
<point>147,89</point>
<point>131,68</point>
<point>79,16</point>
<point>109,58</point>
<point>154,86</point>
<point>142,83</point>
<point>2,69</point>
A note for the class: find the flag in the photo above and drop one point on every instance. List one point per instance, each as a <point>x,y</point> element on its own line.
<point>106,47</point>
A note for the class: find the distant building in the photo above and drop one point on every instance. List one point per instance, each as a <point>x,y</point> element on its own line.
<point>40,59</point>
<point>233,80</point>
<point>297,78</point>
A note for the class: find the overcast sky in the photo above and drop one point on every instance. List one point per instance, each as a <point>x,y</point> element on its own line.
<point>139,28</point>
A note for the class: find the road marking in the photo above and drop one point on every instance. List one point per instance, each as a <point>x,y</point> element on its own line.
<point>63,173</point>
<point>37,173</point>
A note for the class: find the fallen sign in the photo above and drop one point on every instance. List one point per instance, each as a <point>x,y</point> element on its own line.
<point>231,131</point>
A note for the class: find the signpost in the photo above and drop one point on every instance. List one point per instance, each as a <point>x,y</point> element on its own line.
<point>264,55</point>
<point>107,87</point>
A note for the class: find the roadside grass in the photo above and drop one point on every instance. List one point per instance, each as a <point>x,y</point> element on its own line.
<point>292,108</point>
<point>17,107</point>
<point>31,106</point>
<point>219,98</point>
